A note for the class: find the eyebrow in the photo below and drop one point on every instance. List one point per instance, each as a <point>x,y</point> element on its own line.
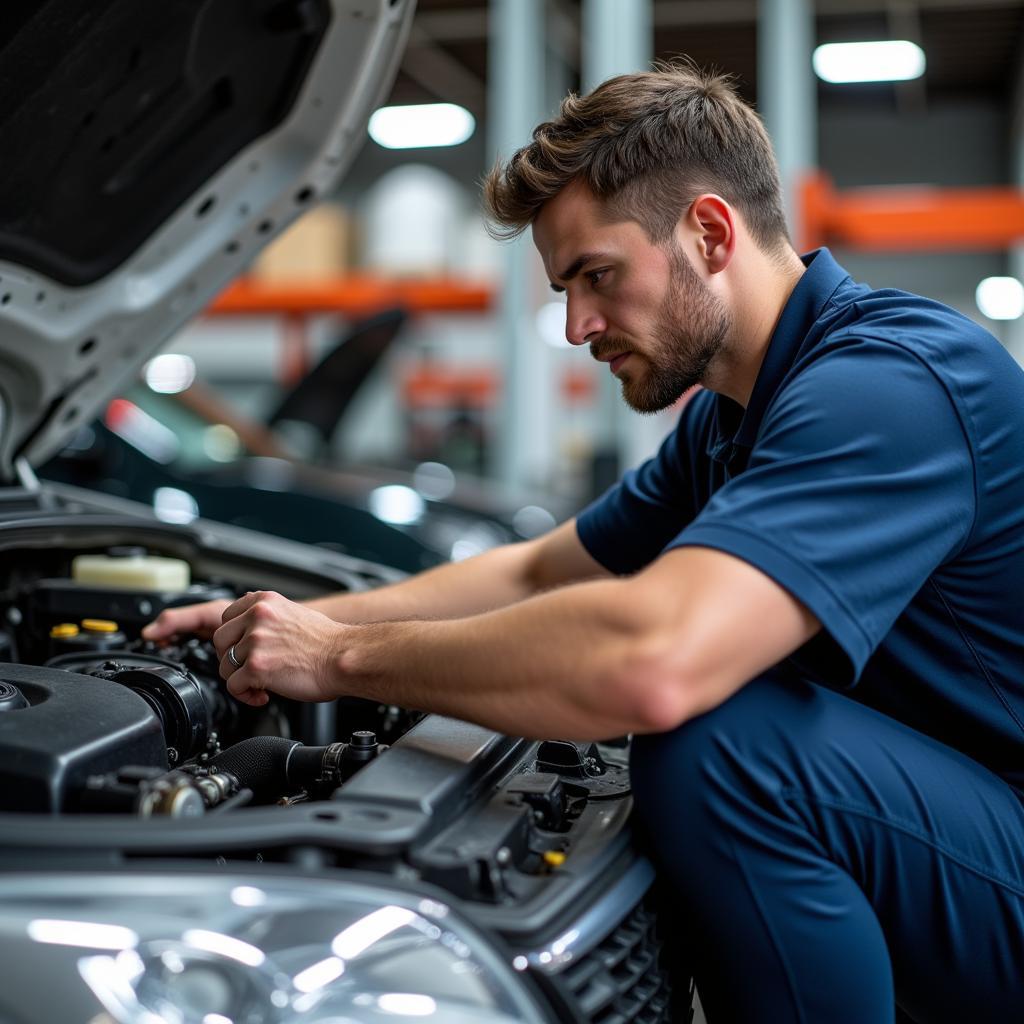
<point>575,267</point>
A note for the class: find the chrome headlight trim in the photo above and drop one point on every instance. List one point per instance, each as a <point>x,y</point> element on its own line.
<point>265,949</point>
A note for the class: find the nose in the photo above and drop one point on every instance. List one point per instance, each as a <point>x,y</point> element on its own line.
<point>582,322</point>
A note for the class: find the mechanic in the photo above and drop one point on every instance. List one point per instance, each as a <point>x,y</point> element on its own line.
<point>807,604</point>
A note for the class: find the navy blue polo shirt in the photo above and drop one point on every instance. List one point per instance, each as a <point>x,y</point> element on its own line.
<point>877,474</point>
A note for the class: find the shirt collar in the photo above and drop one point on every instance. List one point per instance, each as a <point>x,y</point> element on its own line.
<point>737,428</point>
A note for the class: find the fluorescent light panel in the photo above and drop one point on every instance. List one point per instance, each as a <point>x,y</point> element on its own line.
<point>893,60</point>
<point>421,125</point>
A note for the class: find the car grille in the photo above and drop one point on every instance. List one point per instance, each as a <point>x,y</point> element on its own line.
<point>626,979</point>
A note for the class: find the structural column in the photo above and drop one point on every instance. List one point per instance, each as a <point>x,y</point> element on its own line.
<point>618,38</point>
<point>515,106</point>
<point>787,93</point>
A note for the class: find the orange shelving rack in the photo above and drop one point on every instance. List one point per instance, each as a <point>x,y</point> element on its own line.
<point>351,295</point>
<point>912,218</point>
<point>355,295</point>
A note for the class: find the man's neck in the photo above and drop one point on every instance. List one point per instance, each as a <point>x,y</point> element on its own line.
<point>760,288</point>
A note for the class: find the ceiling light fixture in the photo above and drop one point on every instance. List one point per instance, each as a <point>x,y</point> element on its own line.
<point>894,60</point>
<point>1000,298</point>
<point>421,125</point>
<point>170,373</point>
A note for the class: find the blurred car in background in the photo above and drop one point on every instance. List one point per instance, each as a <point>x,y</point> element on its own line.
<point>189,454</point>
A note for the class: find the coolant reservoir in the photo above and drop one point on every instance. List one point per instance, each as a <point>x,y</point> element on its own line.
<point>131,568</point>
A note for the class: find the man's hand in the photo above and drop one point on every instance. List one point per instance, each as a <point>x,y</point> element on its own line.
<point>201,620</point>
<point>281,646</point>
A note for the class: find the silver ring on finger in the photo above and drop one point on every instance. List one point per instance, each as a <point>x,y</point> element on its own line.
<point>233,658</point>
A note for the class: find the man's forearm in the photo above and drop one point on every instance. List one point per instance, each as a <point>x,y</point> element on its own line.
<point>565,663</point>
<point>583,661</point>
<point>493,579</point>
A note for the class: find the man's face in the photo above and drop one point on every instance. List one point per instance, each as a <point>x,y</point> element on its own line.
<point>641,307</point>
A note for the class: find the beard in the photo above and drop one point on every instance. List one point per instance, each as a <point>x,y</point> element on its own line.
<point>678,355</point>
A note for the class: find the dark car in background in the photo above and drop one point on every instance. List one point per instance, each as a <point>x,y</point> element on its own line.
<point>167,854</point>
<point>156,448</point>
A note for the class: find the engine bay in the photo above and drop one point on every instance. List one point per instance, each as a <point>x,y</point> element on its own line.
<point>122,757</point>
<point>95,719</point>
<point>97,723</point>
<point>115,749</point>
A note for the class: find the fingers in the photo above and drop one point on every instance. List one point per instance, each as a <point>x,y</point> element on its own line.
<point>224,623</point>
<point>230,633</point>
<point>237,618</point>
<point>250,695</point>
<point>243,604</point>
<point>254,698</point>
<point>238,680</point>
<point>227,666</point>
<point>201,619</point>
<point>267,643</point>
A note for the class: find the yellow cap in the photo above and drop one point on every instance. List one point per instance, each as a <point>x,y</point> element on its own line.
<point>64,629</point>
<point>554,858</point>
<point>99,625</point>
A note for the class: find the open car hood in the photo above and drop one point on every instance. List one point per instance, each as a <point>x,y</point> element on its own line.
<point>149,152</point>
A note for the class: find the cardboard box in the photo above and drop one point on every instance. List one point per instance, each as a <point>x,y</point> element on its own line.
<point>315,247</point>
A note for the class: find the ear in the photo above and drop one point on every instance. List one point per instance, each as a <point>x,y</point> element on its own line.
<point>714,222</point>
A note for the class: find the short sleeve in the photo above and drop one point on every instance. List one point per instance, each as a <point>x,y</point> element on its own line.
<point>859,486</point>
<point>629,526</point>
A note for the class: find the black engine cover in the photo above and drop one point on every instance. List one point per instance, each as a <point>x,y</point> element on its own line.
<point>74,726</point>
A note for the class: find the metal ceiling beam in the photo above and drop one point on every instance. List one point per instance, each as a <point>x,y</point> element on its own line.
<point>837,7</point>
<point>679,13</point>
<point>442,74</point>
<point>454,26</point>
<point>471,23</point>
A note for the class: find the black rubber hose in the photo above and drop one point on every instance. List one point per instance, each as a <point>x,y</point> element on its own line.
<point>272,766</point>
<point>260,763</point>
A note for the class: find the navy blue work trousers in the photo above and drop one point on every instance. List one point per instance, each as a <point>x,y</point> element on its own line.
<point>833,865</point>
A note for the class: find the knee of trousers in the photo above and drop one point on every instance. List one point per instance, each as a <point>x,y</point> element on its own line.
<point>734,761</point>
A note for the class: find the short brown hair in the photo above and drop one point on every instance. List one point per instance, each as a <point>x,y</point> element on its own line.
<point>647,144</point>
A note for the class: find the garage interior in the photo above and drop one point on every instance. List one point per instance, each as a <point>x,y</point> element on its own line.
<point>914,184</point>
<point>390,383</point>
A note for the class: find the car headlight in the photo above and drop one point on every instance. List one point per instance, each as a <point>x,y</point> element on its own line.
<point>202,949</point>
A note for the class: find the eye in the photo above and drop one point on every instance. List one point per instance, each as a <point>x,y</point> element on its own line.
<point>594,276</point>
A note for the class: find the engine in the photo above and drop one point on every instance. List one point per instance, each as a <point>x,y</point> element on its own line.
<point>95,719</point>
<point>119,753</point>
